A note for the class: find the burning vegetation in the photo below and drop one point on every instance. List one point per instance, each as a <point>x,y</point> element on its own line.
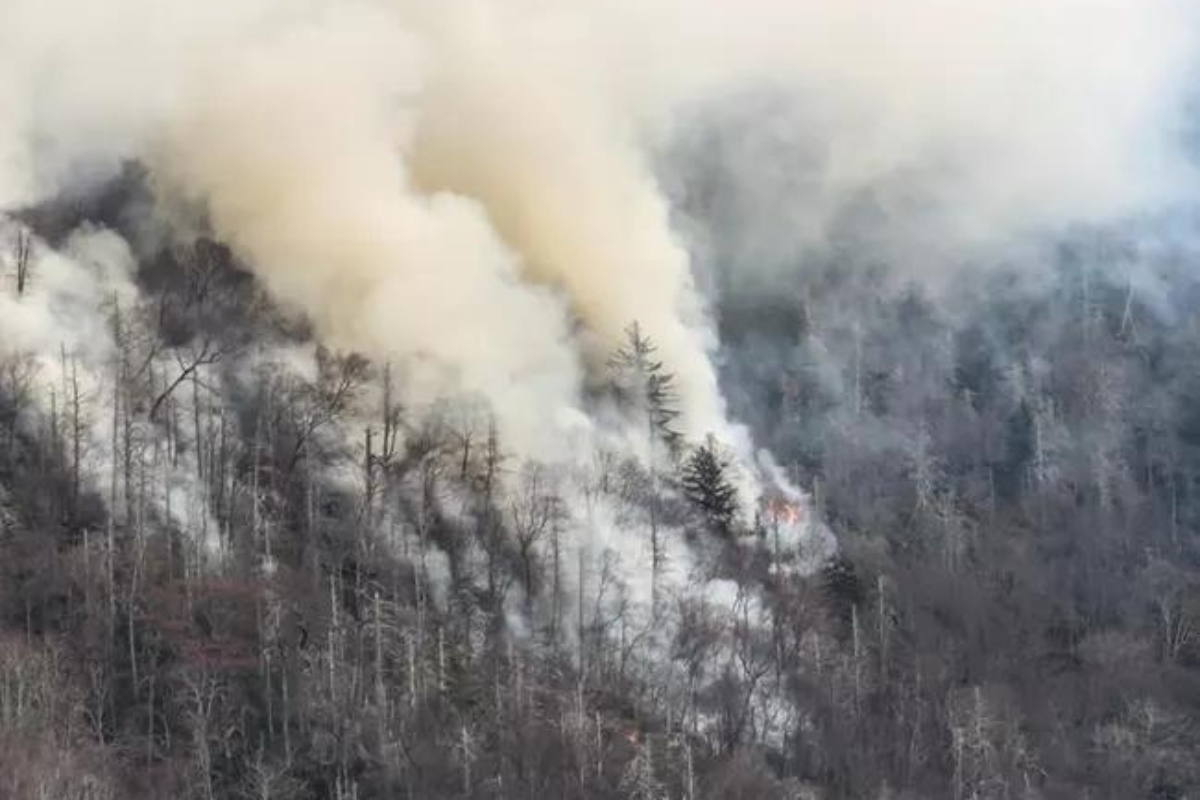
<point>393,396</point>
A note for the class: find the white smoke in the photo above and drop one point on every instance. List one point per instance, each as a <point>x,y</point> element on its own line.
<point>933,132</point>
<point>466,187</point>
<point>57,333</point>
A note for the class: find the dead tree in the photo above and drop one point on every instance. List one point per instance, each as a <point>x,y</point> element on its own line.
<point>23,260</point>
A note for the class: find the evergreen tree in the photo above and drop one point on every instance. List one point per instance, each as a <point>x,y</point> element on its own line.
<point>646,390</point>
<point>705,482</point>
<point>644,387</point>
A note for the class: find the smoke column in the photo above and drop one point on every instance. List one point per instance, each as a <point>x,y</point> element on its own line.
<point>297,149</point>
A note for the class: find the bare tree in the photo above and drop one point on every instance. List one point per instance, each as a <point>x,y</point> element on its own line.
<point>17,373</point>
<point>533,513</point>
<point>190,362</point>
<point>23,260</point>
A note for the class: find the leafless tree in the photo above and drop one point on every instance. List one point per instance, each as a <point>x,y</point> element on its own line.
<point>23,260</point>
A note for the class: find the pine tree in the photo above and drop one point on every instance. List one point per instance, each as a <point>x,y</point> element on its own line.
<point>644,387</point>
<point>646,390</point>
<point>705,482</point>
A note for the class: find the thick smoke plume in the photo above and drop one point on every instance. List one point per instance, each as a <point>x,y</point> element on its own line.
<point>468,188</point>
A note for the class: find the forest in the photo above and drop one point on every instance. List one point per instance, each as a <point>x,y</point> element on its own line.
<point>599,400</point>
<point>236,566</point>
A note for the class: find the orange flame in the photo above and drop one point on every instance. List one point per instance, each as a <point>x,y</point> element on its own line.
<point>781,511</point>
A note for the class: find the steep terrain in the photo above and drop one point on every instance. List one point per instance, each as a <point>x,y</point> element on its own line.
<point>627,399</point>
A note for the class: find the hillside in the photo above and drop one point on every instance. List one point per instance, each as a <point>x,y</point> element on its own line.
<point>638,399</point>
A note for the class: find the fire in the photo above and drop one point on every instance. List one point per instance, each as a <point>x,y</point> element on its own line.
<point>781,511</point>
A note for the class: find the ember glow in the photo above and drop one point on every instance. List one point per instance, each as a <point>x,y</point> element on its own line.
<point>781,511</point>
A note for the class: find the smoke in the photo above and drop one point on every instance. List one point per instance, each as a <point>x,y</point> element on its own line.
<point>471,189</point>
<point>62,308</point>
<point>323,208</point>
<point>928,134</point>
<point>60,354</point>
<point>519,117</point>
